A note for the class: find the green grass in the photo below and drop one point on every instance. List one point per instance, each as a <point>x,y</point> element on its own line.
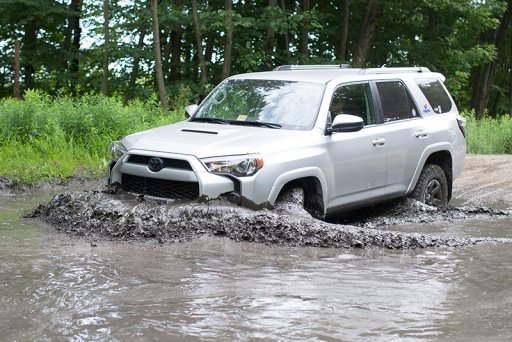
<point>46,139</point>
<point>488,135</point>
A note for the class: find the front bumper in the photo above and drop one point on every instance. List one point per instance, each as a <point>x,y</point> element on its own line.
<point>183,176</point>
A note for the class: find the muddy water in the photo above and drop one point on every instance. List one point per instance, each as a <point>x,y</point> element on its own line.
<point>55,286</point>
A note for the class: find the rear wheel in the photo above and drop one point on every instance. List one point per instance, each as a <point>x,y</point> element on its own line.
<point>432,186</point>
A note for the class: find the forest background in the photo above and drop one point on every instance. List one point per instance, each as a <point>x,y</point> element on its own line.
<point>90,71</point>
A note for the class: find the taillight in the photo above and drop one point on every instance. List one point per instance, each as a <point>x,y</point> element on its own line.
<point>462,125</point>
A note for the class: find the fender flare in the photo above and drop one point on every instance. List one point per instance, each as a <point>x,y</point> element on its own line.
<point>292,175</point>
<point>431,149</point>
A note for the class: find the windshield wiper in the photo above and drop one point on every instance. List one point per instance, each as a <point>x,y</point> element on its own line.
<point>211,120</point>
<point>255,123</point>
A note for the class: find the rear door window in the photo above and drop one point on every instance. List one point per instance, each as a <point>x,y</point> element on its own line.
<point>396,101</point>
<point>436,94</point>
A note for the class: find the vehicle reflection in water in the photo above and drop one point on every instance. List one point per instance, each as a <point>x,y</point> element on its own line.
<point>57,287</point>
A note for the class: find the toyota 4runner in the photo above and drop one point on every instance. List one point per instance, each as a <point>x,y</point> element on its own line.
<point>348,137</point>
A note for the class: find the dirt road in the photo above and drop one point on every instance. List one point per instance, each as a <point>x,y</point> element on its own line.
<point>486,180</point>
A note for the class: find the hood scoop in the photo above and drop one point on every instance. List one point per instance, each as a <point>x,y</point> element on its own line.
<point>198,131</point>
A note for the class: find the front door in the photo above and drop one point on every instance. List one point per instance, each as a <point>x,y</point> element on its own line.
<point>359,158</point>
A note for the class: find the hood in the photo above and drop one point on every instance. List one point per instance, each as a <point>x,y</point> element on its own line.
<point>209,140</point>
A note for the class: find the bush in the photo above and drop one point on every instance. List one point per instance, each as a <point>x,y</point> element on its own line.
<point>488,135</point>
<point>45,138</point>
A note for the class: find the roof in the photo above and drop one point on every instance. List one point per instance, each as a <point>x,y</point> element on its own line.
<point>325,73</point>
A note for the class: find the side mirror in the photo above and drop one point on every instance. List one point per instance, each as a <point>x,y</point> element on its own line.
<point>346,123</point>
<point>190,110</point>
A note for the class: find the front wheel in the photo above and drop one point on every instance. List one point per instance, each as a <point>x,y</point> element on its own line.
<point>432,186</point>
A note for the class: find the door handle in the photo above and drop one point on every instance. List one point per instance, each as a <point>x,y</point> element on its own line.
<point>378,142</point>
<point>421,134</point>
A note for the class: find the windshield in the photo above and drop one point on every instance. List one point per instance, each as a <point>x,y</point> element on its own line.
<point>265,103</point>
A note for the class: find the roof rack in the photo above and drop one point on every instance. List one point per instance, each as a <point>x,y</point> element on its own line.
<point>385,70</point>
<point>311,67</point>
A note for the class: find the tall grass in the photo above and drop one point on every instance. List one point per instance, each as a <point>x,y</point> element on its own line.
<point>47,139</point>
<point>488,135</point>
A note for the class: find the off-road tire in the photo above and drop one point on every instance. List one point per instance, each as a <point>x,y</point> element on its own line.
<point>432,186</point>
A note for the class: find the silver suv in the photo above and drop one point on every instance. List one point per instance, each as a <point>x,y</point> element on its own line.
<point>348,137</point>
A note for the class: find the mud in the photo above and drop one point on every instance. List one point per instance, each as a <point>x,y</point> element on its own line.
<point>108,214</point>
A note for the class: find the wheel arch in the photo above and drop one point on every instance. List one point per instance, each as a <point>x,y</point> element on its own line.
<point>312,181</point>
<point>443,158</point>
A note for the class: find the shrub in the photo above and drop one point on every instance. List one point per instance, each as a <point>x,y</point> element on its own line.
<point>488,135</point>
<point>45,138</point>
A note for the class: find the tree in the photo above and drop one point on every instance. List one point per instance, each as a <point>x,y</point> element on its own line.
<point>283,40</point>
<point>199,43</point>
<point>484,75</point>
<point>158,59</point>
<point>136,63</point>
<point>270,36</point>
<point>344,30</point>
<point>106,37</point>
<point>367,33</point>
<point>16,92</point>
<point>175,42</point>
<point>304,31</point>
<point>226,67</point>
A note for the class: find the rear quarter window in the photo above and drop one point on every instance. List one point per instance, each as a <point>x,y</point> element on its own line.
<point>396,101</point>
<point>436,95</point>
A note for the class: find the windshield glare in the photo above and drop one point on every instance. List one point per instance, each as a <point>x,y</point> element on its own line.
<point>293,105</point>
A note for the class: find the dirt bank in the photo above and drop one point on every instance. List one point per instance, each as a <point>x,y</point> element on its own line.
<point>486,180</point>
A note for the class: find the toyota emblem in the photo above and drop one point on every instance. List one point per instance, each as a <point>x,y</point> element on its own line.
<point>155,164</point>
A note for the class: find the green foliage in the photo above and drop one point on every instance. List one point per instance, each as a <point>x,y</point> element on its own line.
<point>45,138</point>
<point>447,36</point>
<point>488,135</point>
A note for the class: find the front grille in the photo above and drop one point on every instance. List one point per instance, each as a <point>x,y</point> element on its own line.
<point>160,187</point>
<point>168,162</point>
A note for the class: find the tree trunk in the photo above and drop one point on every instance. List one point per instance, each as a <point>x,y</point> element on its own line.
<point>304,32</point>
<point>210,44</point>
<point>16,93</point>
<point>176,36</point>
<point>29,52</point>
<point>367,33</point>
<point>65,51</point>
<point>199,45</point>
<point>344,30</point>
<point>136,64</point>
<point>72,31</point>
<point>283,41</point>
<point>228,43</point>
<point>510,83</point>
<point>106,35</point>
<point>158,58</point>
<point>484,76</point>
<point>269,40</point>
<point>75,47</point>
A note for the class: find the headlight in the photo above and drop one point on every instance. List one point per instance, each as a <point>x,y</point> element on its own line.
<point>117,150</point>
<point>239,166</point>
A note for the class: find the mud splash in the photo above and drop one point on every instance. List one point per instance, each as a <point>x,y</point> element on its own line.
<point>407,211</point>
<point>119,216</point>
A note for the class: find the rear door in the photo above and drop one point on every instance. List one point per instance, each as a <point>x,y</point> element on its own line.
<point>404,131</point>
